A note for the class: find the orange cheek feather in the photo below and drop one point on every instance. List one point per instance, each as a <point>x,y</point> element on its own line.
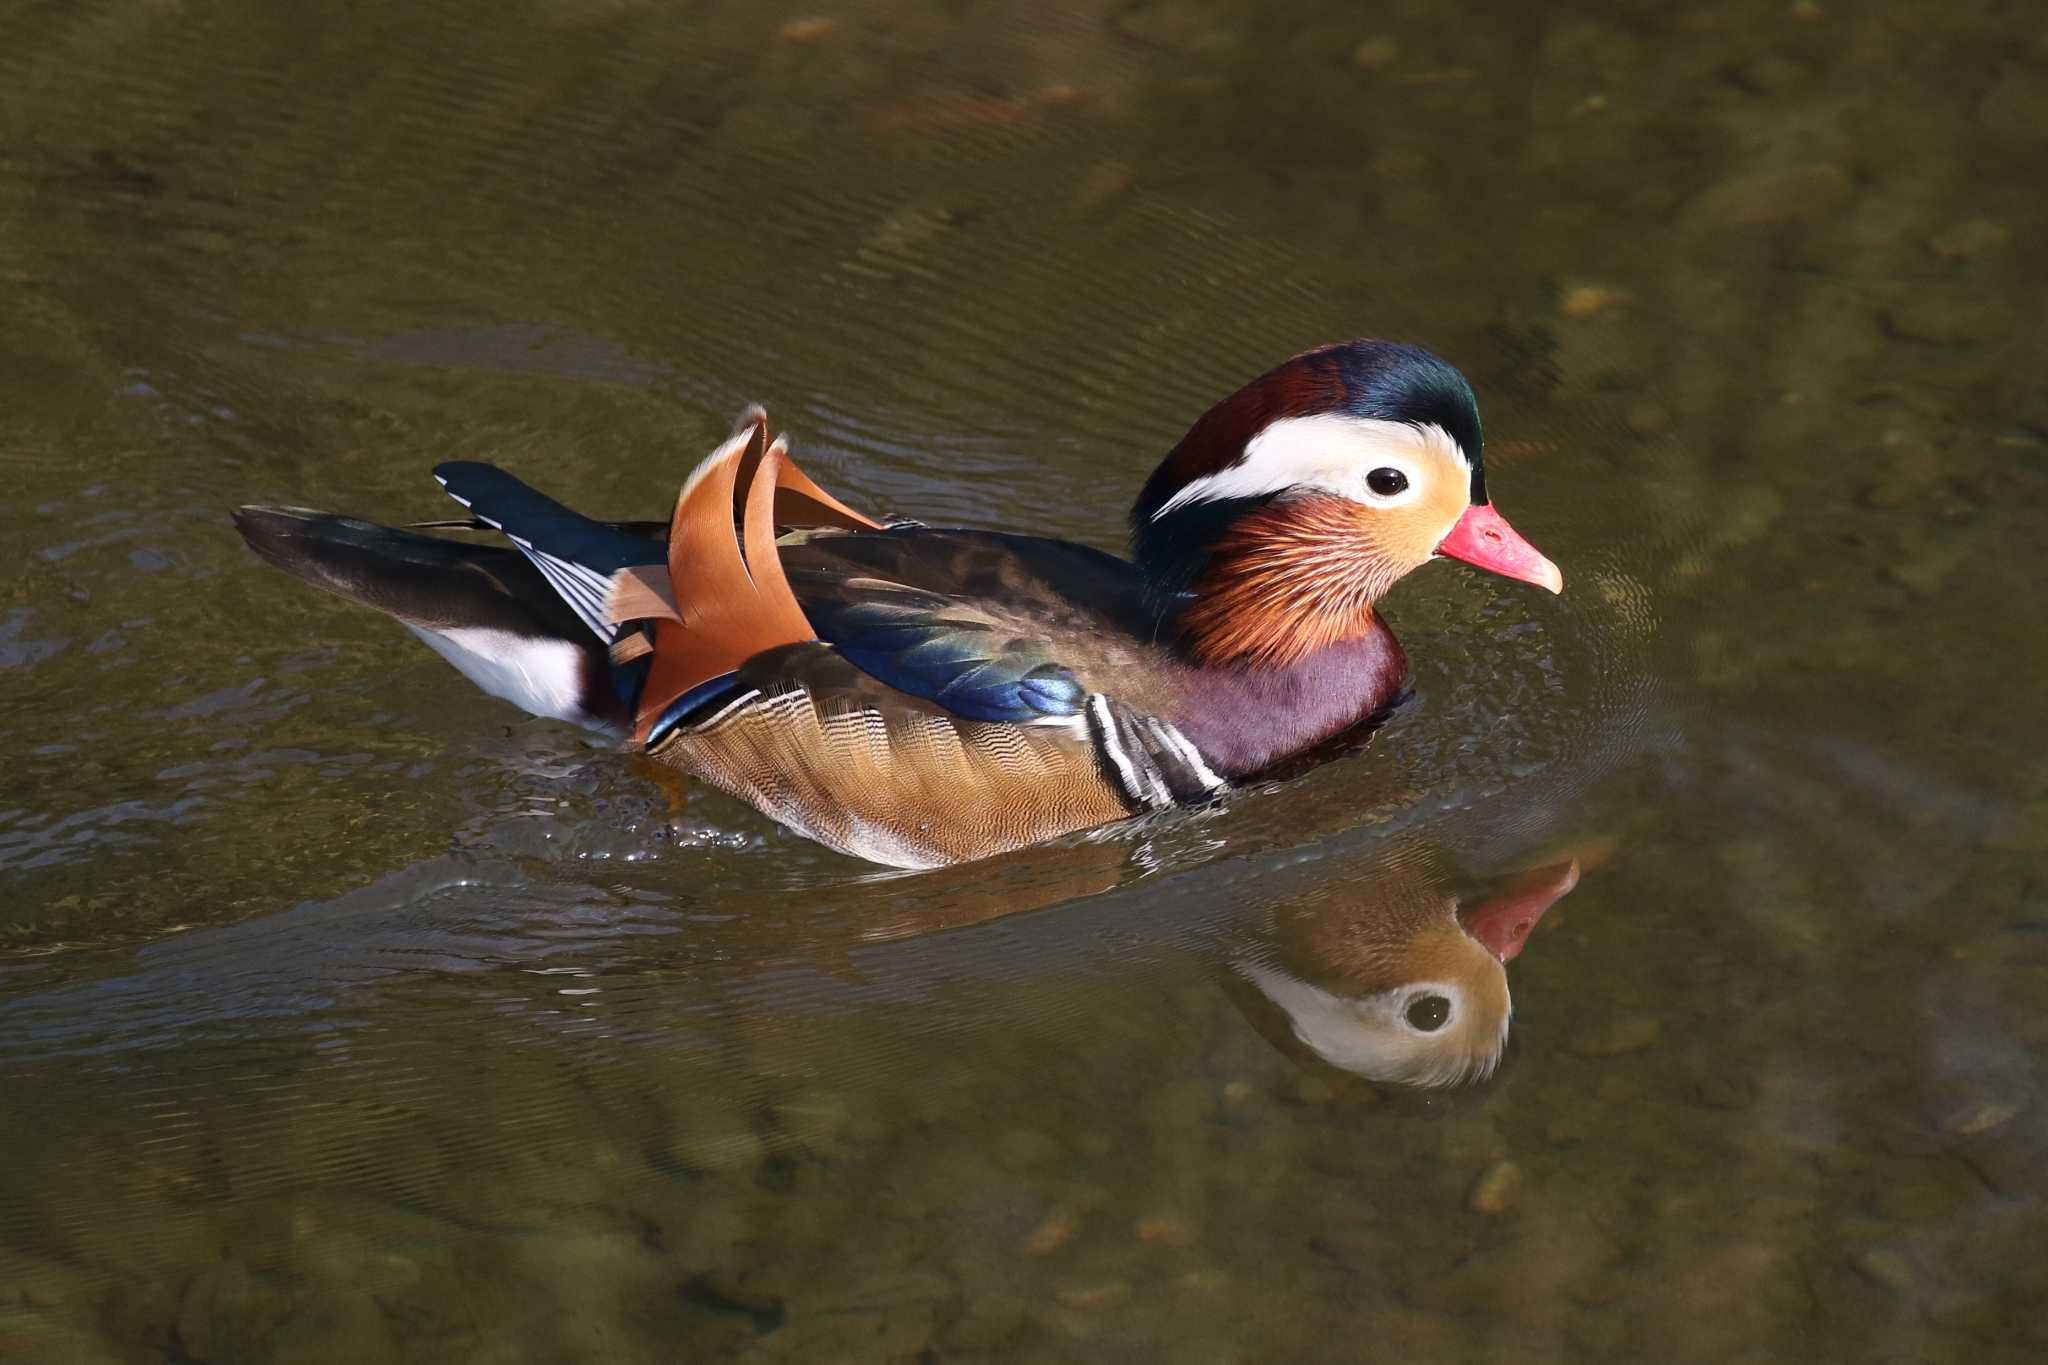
<point>1294,577</point>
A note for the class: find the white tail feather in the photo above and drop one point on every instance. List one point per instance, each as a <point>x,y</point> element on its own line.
<point>542,676</point>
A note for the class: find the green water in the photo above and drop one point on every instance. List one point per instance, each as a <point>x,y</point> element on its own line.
<point>346,1015</point>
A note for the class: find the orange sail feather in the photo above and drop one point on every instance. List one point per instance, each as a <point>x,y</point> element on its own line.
<point>726,597</point>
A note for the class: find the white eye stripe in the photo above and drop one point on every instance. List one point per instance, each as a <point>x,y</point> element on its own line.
<point>1328,451</point>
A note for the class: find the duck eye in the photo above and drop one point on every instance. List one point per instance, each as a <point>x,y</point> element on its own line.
<point>1426,1014</point>
<point>1387,482</point>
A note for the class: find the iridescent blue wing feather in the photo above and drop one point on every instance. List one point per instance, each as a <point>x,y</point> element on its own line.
<point>941,649</point>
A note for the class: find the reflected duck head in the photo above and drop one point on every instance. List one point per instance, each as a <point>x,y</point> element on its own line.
<point>1400,989</point>
<point>1293,505</point>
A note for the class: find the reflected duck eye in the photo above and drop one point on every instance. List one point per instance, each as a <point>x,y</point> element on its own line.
<point>1387,482</point>
<point>1426,1014</point>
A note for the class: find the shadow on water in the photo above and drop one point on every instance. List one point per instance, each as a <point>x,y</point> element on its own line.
<point>345,1016</point>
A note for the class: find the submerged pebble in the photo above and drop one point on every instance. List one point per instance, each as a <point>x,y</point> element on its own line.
<point>814,1115</point>
<point>710,1132</point>
<point>1568,1129</point>
<point>1590,301</point>
<point>1104,181</point>
<point>1971,237</point>
<point>1027,1149</point>
<point>1092,1295</point>
<point>987,1321</point>
<point>2013,1169</point>
<point>1906,470</point>
<point>1942,318</point>
<point>227,1313</point>
<point>1772,74</point>
<point>1308,1088</point>
<point>1927,570</point>
<point>1617,1091</point>
<point>29,1338</point>
<point>1184,30</point>
<point>740,1289</point>
<point>890,1334</point>
<point>807,30</point>
<point>1890,1268</point>
<point>717,1149</point>
<point>1963,1310</point>
<point>1496,1189</point>
<point>337,1329</point>
<point>1790,198</point>
<point>2016,105</point>
<point>1647,417</point>
<point>1054,1231</point>
<point>1168,1230</point>
<point>1180,1105</point>
<point>1375,54</point>
<point>1982,1117</point>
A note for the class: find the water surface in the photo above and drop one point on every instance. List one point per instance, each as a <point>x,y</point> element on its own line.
<point>346,1015</point>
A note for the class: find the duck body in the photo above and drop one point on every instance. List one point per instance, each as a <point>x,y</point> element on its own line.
<point>971,692</point>
<point>919,696</point>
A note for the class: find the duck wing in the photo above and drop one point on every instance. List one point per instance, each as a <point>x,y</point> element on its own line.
<point>820,745</point>
<point>987,626</point>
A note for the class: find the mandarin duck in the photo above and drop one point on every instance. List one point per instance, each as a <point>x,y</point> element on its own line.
<point>1388,979</point>
<point>918,695</point>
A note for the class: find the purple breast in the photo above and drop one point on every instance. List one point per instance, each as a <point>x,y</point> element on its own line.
<point>1246,719</point>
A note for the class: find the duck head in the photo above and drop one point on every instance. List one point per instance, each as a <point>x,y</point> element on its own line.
<point>1396,987</point>
<point>1291,506</point>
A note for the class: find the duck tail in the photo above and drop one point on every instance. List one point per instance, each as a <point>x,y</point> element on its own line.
<point>485,608</point>
<point>578,619</point>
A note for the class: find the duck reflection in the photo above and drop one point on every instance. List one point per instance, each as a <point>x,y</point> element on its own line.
<point>1385,978</point>
<point>1365,958</point>
<point>1350,951</point>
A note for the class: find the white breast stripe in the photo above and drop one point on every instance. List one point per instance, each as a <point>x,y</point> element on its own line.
<point>1136,775</point>
<point>1172,737</point>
